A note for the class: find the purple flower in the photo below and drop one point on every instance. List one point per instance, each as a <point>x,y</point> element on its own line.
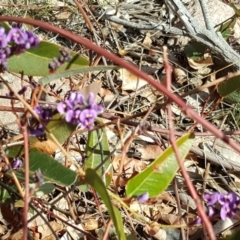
<point>57,62</point>
<point>228,198</point>
<point>229,204</point>
<point>228,210</point>
<point>36,132</point>
<point>45,112</point>
<point>3,38</point>
<point>87,117</point>
<point>211,198</point>
<point>17,36</point>
<point>17,163</point>
<point>69,115</point>
<point>16,41</point>
<point>143,197</point>
<point>31,40</point>
<point>77,109</point>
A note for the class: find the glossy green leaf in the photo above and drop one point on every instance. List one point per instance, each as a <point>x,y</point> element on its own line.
<point>34,62</point>
<point>68,73</point>
<point>159,174</point>
<point>96,182</point>
<point>52,170</point>
<point>98,154</point>
<point>230,90</point>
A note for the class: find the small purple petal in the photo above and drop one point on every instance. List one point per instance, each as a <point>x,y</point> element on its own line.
<point>36,132</point>
<point>211,198</point>
<point>80,99</point>
<point>72,96</point>
<point>3,38</point>
<point>87,116</point>
<point>198,220</point>
<point>16,163</point>
<point>211,211</point>
<point>69,116</point>
<point>17,36</point>
<point>61,107</point>
<point>143,197</point>
<point>224,212</point>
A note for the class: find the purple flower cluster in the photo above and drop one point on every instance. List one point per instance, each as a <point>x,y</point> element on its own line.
<point>45,113</point>
<point>16,41</point>
<point>57,62</point>
<point>77,109</point>
<point>228,202</point>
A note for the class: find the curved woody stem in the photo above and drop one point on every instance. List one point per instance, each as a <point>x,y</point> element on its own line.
<point>160,87</point>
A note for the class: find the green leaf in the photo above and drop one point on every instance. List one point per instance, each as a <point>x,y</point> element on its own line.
<point>234,97</point>
<point>4,194</point>
<point>96,182</point>
<point>68,73</point>
<point>226,28</point>
<point>131,237</point>
<point>159,174</point>
<point>52,170</point>
<point>230,90</point>
<point>98,154</point>
<point>34,62</point>
<point>46,188</point>
<point>195,50</point>
<point>60,128</point>
<point>14,151</point>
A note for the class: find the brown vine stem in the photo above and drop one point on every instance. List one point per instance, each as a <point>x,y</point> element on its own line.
<point>88,44</point>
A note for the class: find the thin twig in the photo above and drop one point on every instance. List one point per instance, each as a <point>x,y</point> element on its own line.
<point>105,236</point>
<point>26,182</point>
<point>191,188</point>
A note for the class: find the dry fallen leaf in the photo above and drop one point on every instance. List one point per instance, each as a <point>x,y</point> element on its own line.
<point>93,87</point>
<point>63,15</point>
<point>150,94</point>
<point>200,64</point>
<point>147,40</point>
<point>47,232</point>
<point>130,81</point>
<point>156,232</point>
<point>149,151</point>
<point>172,219</point>
<point>48,146</point>
<point>130,165</point>
<point>179,75</point>
<point>107,95</point>
<point>90,224</point>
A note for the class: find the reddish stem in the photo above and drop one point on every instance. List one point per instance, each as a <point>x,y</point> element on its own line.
<point>88,44</point>
<point>190,185</point>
